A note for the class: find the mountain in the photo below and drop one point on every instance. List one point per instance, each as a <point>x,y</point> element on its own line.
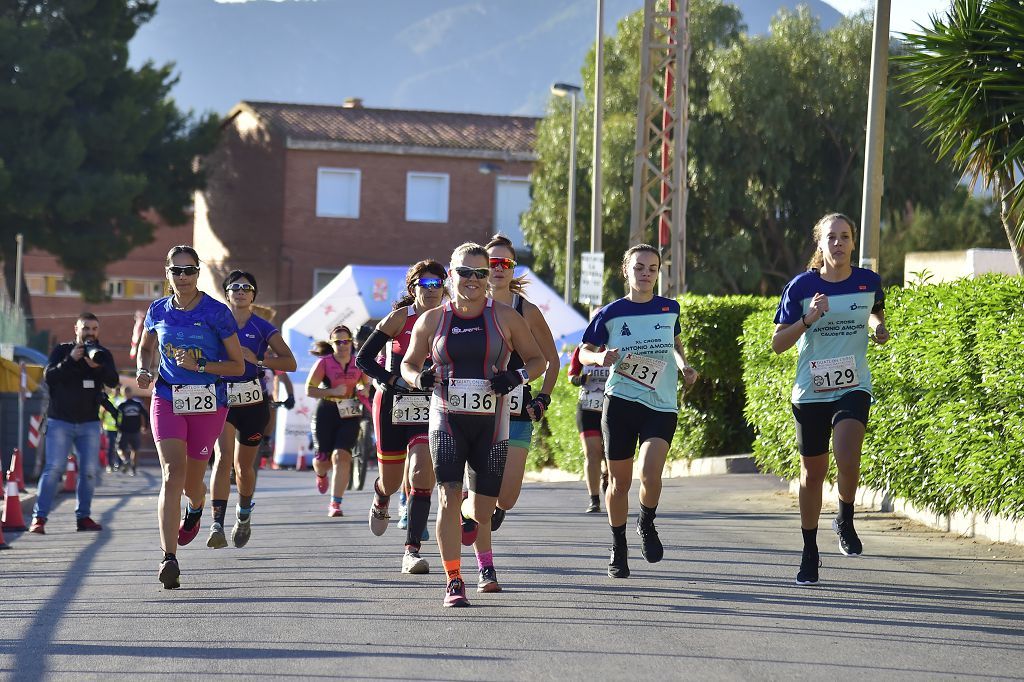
<point>451,55</point>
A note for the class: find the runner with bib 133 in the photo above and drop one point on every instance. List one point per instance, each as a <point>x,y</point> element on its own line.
<point>826,312</point>
<point>640,333</point>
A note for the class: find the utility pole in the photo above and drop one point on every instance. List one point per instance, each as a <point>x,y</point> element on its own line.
<point>871,205</point>
<point>595,210</point>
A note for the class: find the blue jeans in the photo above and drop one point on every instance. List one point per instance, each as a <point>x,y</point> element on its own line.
<point>60,436</point>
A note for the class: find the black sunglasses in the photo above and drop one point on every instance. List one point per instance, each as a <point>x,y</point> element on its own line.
<point>179,270</point>
<point>239,286</point>
<point>466,273</point>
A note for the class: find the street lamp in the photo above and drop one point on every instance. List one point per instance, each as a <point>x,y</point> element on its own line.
<point>567,90</point>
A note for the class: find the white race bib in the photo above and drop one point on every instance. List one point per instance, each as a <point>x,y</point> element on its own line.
<point>515,399</point>
<point>245,393</point>
<point>411,408</point>
<point>472,396</point>
<point>592,392</point>
<point>194,398</point>
<point>350,407</point>
<point>640,368</point>
<point>833,374</point>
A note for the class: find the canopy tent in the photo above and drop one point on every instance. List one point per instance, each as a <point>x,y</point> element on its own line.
<point>365,293</point>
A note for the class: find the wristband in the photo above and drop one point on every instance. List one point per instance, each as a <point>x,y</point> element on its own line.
<point>140,372</point>
<point>805,321</point>
<point>523,374</point>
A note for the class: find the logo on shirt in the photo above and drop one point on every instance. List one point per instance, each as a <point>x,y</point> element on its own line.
<point>625,330</point>
<point>459,330</point>
<point>197,324</point>
<point>665,309</point>
<point>863,287</point>
<point>250,336</point>
<point>661,326</point>
<point>858,307</point>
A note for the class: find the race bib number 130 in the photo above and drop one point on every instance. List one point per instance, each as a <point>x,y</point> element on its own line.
<point>194,398</point>
<point>833,374</point>
<point>642,369</point>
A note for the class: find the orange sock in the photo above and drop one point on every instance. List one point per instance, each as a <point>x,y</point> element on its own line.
<point>453,568</point>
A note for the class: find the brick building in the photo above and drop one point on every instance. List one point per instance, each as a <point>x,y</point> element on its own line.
<point>297,192</point>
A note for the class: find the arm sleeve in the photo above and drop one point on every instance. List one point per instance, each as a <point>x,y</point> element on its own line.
<point>224,323</point>
<point>108,371</point>
<point>58,367</point>
<point>791,307</point>
<point>597,332</point>
<point>366,358</point>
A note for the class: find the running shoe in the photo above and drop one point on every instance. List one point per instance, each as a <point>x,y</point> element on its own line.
<point>413,563</point>
<point>403,516</point>
<point>426,535</point>
<point>455,593</point>
<point>38,526</point>
<point>618,566</point>
<point>652,548</point>
<point>321,483</point>
<point>488,581</point>
<point>379,518</point>
<point>497,518</point>
<point>169,573</point>
<point>86,523</point>
<point>334,509</point>
<point>133,471</point>
<point>189,528</point>
<point>241,531</point>
<point>469,531</point>
<point>594,508</point>
<point>217,539</point>
<point>810,562</point>
<point>849,543</point>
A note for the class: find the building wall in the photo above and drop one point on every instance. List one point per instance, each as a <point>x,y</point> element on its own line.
<point>381,234</point>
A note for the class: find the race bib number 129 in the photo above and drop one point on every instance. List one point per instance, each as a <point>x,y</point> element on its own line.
<point>833,374</point>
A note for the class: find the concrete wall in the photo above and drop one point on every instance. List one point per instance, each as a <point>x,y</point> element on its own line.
<point>945,266</point>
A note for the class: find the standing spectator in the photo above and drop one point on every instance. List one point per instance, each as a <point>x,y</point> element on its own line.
<point>108,419</point>
<point>75,374</point>
<point>131,421</point>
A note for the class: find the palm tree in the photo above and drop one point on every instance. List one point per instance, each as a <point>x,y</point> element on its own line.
<point>966,74</point>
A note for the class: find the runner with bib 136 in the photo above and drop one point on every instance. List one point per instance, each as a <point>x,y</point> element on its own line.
<point>640,336</point>
<point>826,312</point>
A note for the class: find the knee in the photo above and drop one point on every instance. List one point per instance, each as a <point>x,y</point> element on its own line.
<point>812,476</point>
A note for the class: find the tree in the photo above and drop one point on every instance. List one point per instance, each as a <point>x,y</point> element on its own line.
<point>966,77</point>
<point>87,145</point>
<point>776,140</point>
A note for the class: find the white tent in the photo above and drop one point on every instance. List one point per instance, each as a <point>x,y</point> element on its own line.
<point>364,293</point>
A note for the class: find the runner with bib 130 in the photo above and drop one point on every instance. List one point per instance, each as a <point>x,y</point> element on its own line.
<point>827,312</point>
<point>469,341</point>
<point>640,333</point>
<point>196,339</point>
<point>248,410</point>
<point>400,414</point>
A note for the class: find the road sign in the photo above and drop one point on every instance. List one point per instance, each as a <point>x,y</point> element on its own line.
<point>591,277</point>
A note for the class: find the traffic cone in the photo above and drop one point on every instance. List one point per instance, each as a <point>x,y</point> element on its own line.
<point>300,460</point>
<point>104,443</point>
<point>263,462</point>
<point>71,474</point>
<point>3,543</point>
<point>13,518</point>
<point>19,475</point>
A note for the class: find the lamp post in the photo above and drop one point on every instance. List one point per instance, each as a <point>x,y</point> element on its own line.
<point>567,90</point>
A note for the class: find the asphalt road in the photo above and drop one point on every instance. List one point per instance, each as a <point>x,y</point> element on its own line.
<point>312,597</point>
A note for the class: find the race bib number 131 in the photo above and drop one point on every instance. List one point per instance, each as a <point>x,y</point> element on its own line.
<point>642,369</point>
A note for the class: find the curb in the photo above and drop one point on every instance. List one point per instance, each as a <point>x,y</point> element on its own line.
<point>962,523</point>
<point>702,466</point>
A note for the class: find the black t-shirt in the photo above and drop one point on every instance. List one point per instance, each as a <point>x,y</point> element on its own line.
<point>131,414</point>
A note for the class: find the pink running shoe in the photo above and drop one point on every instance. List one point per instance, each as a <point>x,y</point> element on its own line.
<point>455,593</point>
<point>321,483</point>
<point>334,509</point>
<point>187,535</point>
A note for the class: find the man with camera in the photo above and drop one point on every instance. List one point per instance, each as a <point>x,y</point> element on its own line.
<point>75,374</point>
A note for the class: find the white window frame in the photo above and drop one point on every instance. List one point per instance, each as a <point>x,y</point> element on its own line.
<point>353,211</point>
<point>317,272</point>
<point>442,217</point>
<point>517,179</point>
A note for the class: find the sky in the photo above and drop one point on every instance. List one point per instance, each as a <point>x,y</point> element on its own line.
<point>903,14</point>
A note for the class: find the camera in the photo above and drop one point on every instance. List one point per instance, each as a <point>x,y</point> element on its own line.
<point>95,351</point>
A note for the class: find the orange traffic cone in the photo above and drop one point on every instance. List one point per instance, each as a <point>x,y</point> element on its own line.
<point>19,475</point>
<point>13,518</point>
<point>71,474</point>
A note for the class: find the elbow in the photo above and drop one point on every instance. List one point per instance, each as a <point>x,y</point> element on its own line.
<point>290,366</point>
<point>236,368</point>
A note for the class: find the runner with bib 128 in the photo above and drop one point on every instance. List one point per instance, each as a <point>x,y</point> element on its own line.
<point>640,336</point>
<point>826,312</point>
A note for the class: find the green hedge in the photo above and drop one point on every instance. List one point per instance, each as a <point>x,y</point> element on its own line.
<point>945,432</point>
<point>711,411</point>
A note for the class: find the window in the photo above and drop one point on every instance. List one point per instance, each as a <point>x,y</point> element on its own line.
<point>337,193</point>
<point>513,199</point>
<point>115,288</point>
<point>36,284</point>
<point>426,197</point>
<point>322,278</point>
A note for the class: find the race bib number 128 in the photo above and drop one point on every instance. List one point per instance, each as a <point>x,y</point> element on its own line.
<point>194,398</point>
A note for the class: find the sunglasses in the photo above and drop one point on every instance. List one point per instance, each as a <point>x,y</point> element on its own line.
<point>342,342</point>
<point>186,270</point>
<point>502,263</point>
<point>430,282</point>
<point>465,273</point>
<point>240,286</point>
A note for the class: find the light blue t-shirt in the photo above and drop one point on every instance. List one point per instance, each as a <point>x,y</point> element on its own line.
<point>201,331</point>
<point>647,329</point>
<point>822,375</point>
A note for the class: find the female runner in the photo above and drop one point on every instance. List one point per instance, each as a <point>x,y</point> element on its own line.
<point>196,339</point>
<point>400,415</point>
<point>827,312</point>
<point>640,333</point>
<point>469,341</point>
<point>340,389</point>
<point>248,409</point>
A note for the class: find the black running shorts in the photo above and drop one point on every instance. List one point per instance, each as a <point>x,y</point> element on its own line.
<point>469,439</point>
<point>330,431</point>
<point>626,423</point>
<point>588,421</point>
<point>815,421</point>
<point>250,421</point>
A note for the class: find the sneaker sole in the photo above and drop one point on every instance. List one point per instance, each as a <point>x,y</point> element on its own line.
<point>239,540</point>
<point>421,567</point>
<point>378,526</point>
<point>456,604</point>
<point>169,574</point>
<point>835,529</point>
<point>805,583</point>
<point>618,574</point>
<point>488,588</point>
<point>217,541</point>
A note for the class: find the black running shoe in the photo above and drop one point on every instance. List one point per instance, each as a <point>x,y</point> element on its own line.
<point>594,508</point>
<point>810,562</point>
<point>169,573</point>
<point>497,518</point>
<point>849,543</point>
<point>652,548</point>
<point>618,567</point>
<point>488,581</point>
